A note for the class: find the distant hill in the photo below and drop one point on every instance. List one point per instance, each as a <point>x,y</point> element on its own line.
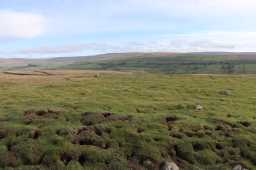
<point>178,63</point>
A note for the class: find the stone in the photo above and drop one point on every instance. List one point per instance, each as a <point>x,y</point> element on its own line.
<point>169,166</point>
<point>225,93</point>
<point>199,107</point>
<point>239,167</point>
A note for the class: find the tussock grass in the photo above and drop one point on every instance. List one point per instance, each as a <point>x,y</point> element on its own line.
<point>116,121</point>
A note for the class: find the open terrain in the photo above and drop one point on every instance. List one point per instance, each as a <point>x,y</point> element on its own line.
<point>180,63</point>
<point>73,120</point>
<point>174,63</point>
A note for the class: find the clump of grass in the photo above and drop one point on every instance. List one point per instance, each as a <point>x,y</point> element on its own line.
<point>207,157</point>
<point>28,151</point>
<point>185,151</point>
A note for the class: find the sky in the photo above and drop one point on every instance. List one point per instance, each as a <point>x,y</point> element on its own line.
<point>57,28</point>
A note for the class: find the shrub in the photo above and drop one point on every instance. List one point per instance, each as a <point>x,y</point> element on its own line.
<point>29,151</point>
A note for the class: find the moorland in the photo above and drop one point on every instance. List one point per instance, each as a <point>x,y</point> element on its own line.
<point>129,112</point>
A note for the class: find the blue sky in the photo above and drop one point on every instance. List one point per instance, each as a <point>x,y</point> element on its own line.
<point>52,28</point>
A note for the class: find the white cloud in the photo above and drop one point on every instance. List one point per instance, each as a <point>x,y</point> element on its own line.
<point>71,48</point>
<point>208,7</point>
<point>83,17</point>
<point>15,24</point>
<point>132,25</point>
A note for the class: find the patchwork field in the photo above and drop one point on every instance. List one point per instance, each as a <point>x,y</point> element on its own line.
<point>126,120</point>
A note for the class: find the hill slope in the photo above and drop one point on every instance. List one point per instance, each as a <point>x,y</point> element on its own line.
<point>199,63</point>
<point>183,63</point>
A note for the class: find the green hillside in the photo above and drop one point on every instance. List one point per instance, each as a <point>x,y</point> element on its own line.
<point>175,63</point>
<point>178,64</point>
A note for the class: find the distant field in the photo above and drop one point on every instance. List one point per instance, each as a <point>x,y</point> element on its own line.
<point>134,120</point>
<point>168,63</point>
<point>178,64</point>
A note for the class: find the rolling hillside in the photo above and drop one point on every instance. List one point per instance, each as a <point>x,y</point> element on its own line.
<point>195,63</point>
<point>176,63</point>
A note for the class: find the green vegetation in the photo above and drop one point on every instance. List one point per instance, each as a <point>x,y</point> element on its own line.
<point>110,120</point>
<point>176,64</point>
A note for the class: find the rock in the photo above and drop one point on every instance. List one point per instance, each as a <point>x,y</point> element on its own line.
<point>225,93</point>
<point>169,166</point>
<point>148,164</point>
<point>239,167</point>
<point>199,107</point>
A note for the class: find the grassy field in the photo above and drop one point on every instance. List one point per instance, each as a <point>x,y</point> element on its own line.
<point>126,120</point>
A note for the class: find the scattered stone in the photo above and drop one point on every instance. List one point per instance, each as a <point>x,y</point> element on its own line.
<point>239,167</point>
<point>199,107</point>
<point>148,164</point>
<point>169,166</point>
<point>225,92</point>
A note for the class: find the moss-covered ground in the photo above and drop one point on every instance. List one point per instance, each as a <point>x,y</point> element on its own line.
<point>111,120</point>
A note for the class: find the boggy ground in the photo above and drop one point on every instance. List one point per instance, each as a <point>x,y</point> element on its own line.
<point>113,120</point>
